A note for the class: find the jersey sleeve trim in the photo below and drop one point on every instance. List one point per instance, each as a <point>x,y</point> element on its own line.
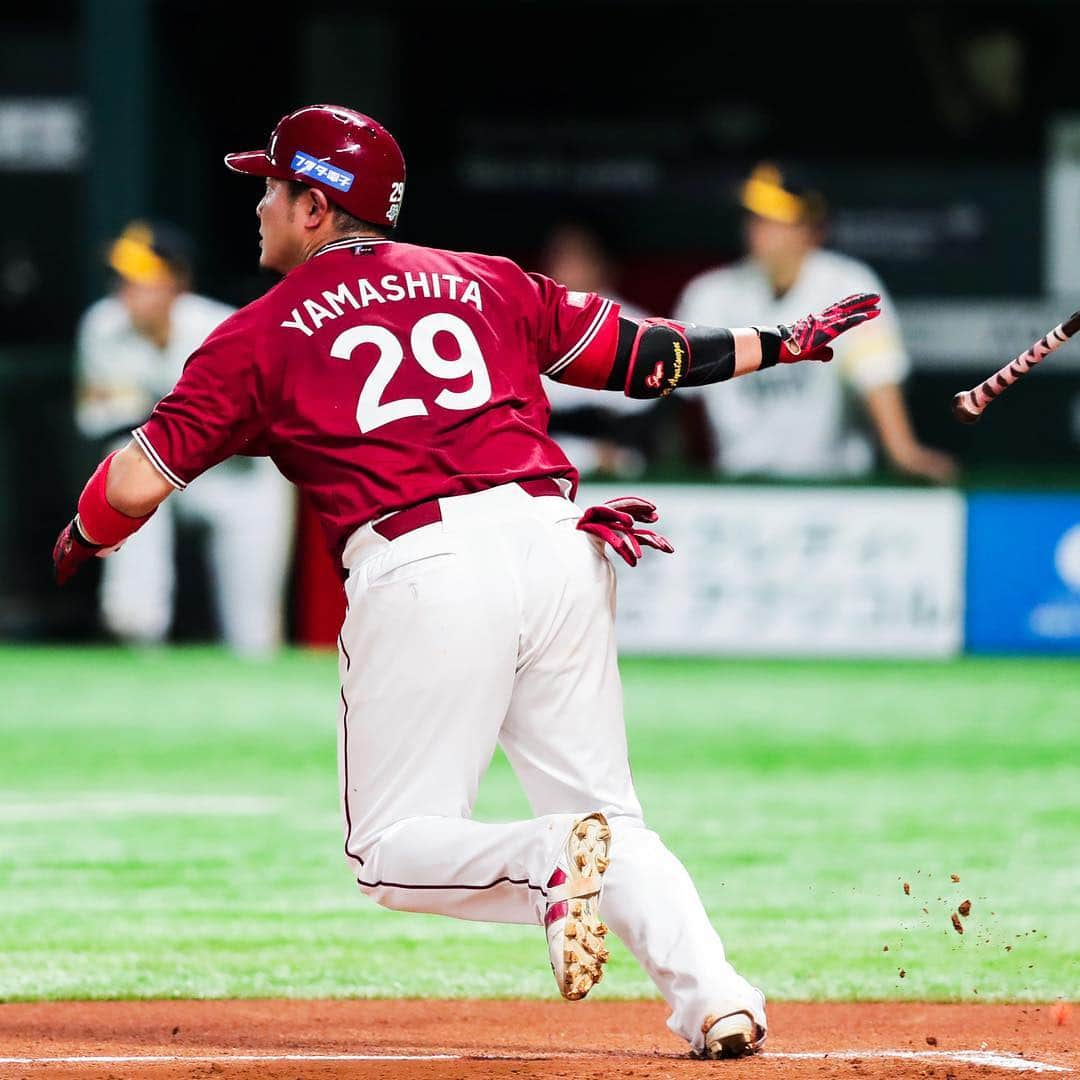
<point>155,459</point>
<point>594,328</point>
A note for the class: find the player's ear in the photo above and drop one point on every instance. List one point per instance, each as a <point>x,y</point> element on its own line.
<point>318,208</point>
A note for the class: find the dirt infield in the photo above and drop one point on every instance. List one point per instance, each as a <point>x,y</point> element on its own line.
<point>285,1040</point>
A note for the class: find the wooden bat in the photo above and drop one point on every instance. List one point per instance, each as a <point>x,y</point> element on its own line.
<point>968,406</point>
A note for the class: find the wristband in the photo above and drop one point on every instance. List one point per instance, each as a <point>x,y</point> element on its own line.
<point>771,337</point>
<point>97,518</point>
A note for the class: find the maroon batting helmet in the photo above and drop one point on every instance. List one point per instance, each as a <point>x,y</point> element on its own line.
<point>348,156</point>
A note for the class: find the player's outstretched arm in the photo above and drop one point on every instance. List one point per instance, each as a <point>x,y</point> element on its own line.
<point>118,499</point>
<point>653,357</point>
<point>889,415</point>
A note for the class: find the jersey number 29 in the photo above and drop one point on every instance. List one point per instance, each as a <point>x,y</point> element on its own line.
<point>372,412</point>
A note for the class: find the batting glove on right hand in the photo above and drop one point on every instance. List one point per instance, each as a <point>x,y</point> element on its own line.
<point>614,522</point>
<point>808,339</point>
<point>70,551</point>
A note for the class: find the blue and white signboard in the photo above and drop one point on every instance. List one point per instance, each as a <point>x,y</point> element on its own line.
<point>1023,573</point>
<point>789,572</point>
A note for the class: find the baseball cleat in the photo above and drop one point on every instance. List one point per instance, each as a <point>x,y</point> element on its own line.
<point>731,1036</point>
<point>574,931</point>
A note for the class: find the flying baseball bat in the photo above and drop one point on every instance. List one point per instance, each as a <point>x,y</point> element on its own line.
<point>968,406</point>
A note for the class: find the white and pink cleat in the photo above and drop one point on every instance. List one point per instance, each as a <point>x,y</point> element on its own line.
<point>575,933</point>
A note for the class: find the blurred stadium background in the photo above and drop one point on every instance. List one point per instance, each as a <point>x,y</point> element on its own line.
<point>947,140</point>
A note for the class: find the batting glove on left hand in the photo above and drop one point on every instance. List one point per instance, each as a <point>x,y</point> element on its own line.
<point>614,522</point>
<point>808,339</point>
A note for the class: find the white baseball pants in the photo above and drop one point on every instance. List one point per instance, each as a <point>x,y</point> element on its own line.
<point>496,625</point>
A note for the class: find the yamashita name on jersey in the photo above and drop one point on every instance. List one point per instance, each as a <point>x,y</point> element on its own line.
<point>333,303</point>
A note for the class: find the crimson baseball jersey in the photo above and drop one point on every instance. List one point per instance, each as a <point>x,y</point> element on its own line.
<point>378,375</point>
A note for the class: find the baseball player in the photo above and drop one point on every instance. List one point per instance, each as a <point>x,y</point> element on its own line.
<point>806,421</point>
<point>131,347</point>
<point>594,434</point>
<point>399,386</point>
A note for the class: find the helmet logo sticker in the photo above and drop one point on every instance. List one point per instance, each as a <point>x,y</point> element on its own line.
<point>397,193</point>
<point>306,165</point>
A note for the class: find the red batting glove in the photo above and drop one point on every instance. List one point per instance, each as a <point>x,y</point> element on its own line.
<point>614,523</point>
<point>101,520</point>
<point>70,551</point>
<point>808,339</point>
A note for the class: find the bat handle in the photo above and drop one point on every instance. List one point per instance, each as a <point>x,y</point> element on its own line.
<point>969,405</point>
<point>966,407</point>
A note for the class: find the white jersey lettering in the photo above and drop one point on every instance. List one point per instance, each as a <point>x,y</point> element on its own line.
<point>332,303</point>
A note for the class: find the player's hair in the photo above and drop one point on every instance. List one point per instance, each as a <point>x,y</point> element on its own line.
<point>344,222</point>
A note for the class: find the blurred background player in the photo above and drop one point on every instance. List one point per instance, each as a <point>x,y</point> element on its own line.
<point>131,348</point>
<point>611,437</point>
<point>806,421</point>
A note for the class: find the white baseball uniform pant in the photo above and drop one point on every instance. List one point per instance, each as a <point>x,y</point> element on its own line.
<point>250,517</point>
<point>496,625</point>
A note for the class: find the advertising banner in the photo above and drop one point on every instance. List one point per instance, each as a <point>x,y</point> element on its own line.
<point>796,572</point>
<point>1023,573</point>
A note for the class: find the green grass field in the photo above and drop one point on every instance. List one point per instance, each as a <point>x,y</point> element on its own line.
<point>169,827</point>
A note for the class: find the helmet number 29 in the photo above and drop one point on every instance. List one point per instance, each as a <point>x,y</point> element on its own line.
<point>372,412</point>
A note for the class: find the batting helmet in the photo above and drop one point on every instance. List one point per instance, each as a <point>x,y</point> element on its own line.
<point>348,156</point>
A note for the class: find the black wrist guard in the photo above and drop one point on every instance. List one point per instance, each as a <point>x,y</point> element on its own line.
<point>772,337</point>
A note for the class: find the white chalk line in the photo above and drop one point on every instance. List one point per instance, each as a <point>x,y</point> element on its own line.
<point>1008,1062</point>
